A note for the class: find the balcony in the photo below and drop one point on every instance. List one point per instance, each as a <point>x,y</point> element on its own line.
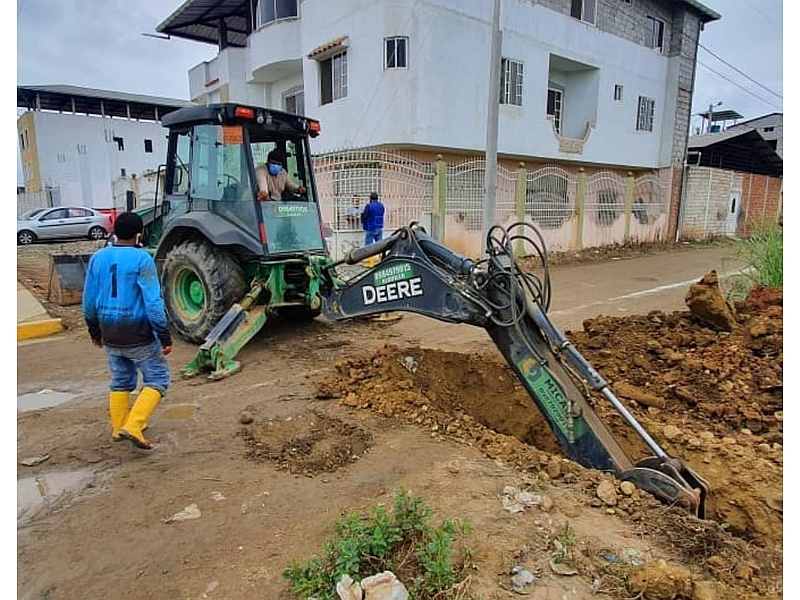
<point>275,51</point>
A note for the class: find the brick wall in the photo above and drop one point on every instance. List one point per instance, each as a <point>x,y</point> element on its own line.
<point>761,202</point>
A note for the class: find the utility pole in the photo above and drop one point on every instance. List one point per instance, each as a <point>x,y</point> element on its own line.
<point>492,117</point>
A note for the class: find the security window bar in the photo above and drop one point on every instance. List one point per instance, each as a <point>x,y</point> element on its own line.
<point>644,116</point>
<point>584,10</point>
<point>617,93</point>
<point>555,101</point>
<point>396,53</point>
<point>268,11</point>
<point>511,82</point>
<point>654,34</point>
<point>333,77</point>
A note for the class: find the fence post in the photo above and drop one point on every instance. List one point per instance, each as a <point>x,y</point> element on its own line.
<point>439,198</point>
<point>522,193</point>
<point>628,200</point>
<point>580,202</point>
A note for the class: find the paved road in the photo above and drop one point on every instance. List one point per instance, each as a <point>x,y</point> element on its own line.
<point>580,291</point>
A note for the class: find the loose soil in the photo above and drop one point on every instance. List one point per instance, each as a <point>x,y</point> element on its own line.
<point>326,418</point>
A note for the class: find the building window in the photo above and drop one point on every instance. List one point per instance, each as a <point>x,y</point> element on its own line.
<point>768,129</point>
<point>22,141</point>
<point>654,34</point>
<point>148,146</point>
<point>511,82</point>
<point>122,172</point>
<point>644,116</point>
<point>294,101</point>
<point>333,77</point>
<point>396,53</point>
<point>268,11</point>
<point>120,143</point>
<point>555,100</point>
<point>584,10</point>
<point>617,93</point>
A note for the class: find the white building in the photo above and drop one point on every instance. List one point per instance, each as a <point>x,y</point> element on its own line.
<point>76,142</point>
<point>598,88</point>
<point>609,86</point>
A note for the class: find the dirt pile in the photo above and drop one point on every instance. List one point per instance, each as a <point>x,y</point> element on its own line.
<point>706,383</point>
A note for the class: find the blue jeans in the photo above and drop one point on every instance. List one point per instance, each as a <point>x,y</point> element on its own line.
<point>376,235</point>
<point>126,363</point>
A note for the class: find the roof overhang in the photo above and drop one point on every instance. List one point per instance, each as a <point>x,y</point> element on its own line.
<point>740,149</point>
<point>229,22</point>
<point>219,22</point>
<point>65,98</point>
<point>706,14</point>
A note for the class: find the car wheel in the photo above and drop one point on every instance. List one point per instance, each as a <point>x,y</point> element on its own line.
<point>200,283</point>
<point>25,237</point>
<point>97,233</point>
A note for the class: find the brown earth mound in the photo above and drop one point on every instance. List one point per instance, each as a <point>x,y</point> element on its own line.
<point>706,383</point>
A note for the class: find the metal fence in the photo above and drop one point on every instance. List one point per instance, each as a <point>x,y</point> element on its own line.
<point>571,209</point>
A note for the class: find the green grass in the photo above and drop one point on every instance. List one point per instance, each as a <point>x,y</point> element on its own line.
<point>427,558</point>
<point>762,254</point>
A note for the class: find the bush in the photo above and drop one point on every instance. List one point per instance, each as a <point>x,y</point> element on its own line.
<point>762,254</point>
<point>428,559</point>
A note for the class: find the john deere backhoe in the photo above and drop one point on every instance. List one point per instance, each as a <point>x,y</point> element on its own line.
<point>229,262</point>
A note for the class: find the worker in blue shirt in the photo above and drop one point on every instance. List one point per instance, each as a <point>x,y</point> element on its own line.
<point>124,312</point>
<point>372,219</point>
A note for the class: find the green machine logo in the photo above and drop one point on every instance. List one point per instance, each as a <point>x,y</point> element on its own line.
<point>394,282</point>
<point>552,398</point>
<point>290,210</point>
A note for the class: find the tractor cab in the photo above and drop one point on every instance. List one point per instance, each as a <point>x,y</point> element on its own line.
<point>216,157</point>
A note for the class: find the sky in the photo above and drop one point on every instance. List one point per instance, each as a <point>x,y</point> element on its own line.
<point>74,42</point>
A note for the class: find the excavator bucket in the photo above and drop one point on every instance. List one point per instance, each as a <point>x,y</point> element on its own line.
<point>67,274</point>
<point>671,481</point>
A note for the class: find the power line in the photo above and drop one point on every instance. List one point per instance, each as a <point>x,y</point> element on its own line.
<point>762,13</point>
<point>701,63</point>
<point>722,60</point>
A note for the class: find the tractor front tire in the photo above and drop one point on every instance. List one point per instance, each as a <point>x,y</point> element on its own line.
<point>200,283</point>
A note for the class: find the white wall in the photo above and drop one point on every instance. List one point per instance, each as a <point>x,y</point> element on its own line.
<point>87,178</point>
<point>441,99</point>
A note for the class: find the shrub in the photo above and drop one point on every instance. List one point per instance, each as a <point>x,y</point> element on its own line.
<point>427,558</point>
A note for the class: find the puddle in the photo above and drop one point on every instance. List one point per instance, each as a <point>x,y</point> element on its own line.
<point>42,399</point>
<point>179,411</point>
<point>35,493</point>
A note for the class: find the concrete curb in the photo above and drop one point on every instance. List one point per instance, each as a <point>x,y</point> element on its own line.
<point>37,329</point>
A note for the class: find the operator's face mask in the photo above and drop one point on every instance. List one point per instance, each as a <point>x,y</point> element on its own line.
<point>274,169</point>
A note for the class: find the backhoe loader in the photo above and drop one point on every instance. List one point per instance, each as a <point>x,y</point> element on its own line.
<point>229,262</point>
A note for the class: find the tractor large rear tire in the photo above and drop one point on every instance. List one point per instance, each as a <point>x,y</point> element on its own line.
<point>200,283</point>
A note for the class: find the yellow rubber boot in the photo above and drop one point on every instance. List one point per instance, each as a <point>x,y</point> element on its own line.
<point>146,403</point>
<point>118,411</point>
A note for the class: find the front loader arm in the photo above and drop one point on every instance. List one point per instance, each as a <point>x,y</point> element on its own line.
<point>418,274</point>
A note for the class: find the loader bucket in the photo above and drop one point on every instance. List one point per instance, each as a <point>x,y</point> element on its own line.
<point>67,274</point>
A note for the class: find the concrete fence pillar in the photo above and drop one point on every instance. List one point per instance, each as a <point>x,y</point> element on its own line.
<point>438,211</point>
<point>519,205</point>
<point>580,210</point>
<point>628,204</point>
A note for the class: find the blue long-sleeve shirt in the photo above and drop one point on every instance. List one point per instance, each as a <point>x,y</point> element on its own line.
<point>373,215</point>
<point>122,302</point>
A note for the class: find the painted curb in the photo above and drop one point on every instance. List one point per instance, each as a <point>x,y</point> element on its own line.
<point>37,329</point>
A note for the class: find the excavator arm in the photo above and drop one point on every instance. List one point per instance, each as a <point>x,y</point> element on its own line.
<point>418,274</point>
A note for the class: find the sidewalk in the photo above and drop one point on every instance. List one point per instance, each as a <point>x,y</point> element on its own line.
<point>33,321</point>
